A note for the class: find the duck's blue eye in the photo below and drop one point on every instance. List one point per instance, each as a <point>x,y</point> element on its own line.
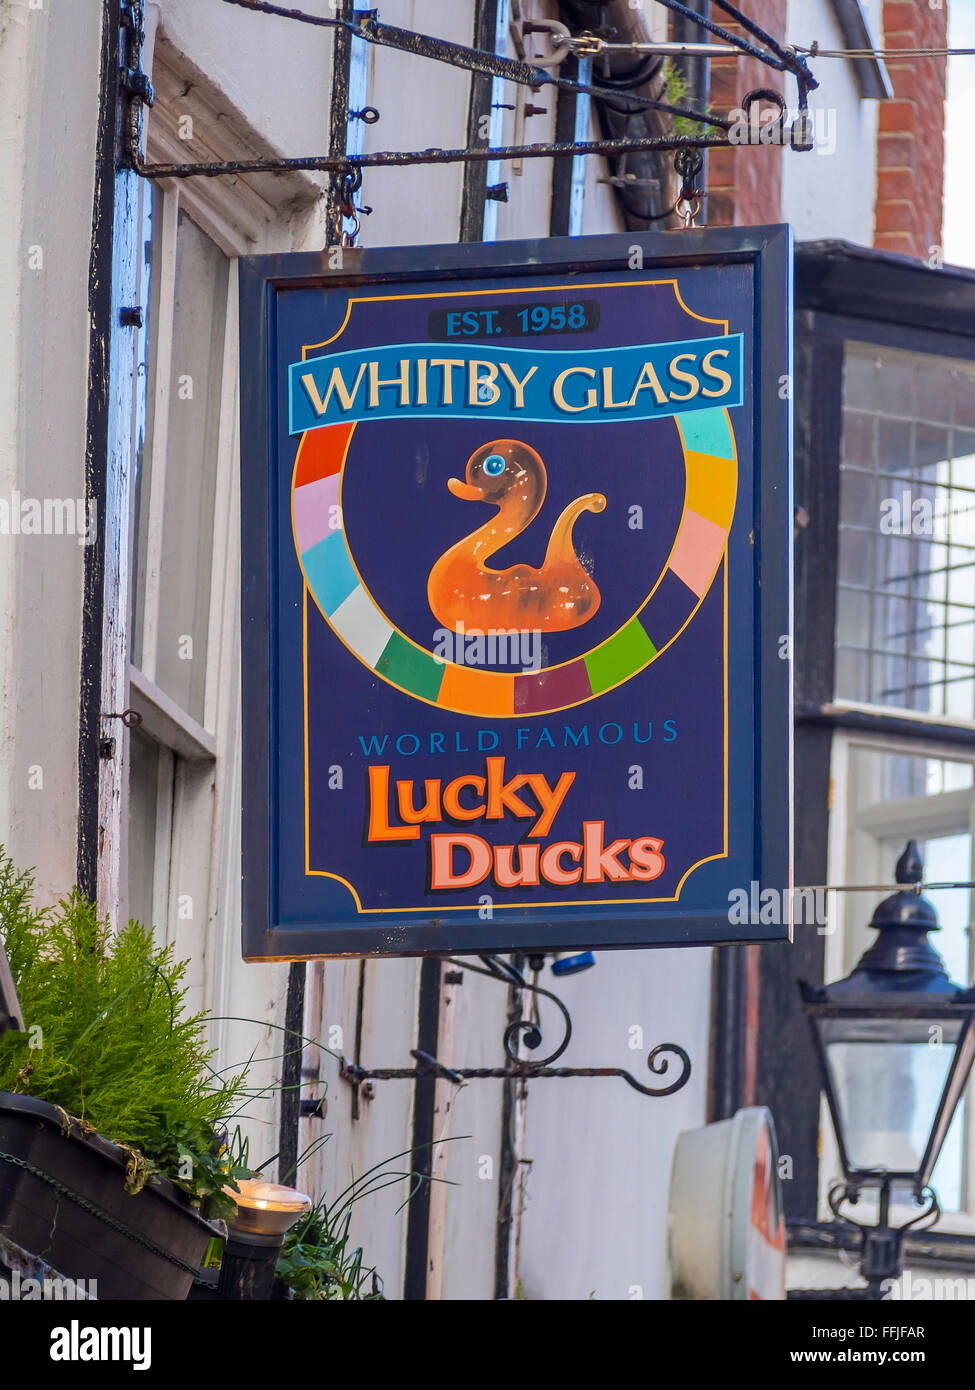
<point>493,465</point>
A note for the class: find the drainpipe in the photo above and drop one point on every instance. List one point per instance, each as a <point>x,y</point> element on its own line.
<point>645,183</point>
<point>96,450</point>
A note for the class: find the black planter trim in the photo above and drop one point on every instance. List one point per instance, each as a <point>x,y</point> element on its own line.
<point>47,1156</point>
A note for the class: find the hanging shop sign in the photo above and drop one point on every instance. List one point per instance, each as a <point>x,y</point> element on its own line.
<point>516,530</point>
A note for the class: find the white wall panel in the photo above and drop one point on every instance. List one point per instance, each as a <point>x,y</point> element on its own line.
<point>830,191</point>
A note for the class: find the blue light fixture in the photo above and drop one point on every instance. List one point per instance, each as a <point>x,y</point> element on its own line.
<point>570,963</point>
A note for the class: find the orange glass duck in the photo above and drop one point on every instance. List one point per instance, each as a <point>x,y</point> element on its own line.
<point>462,590</point>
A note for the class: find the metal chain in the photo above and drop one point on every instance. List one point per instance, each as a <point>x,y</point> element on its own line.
<point>103,1216</point>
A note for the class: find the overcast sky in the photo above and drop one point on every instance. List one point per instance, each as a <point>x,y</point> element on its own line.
<point>959,133</point>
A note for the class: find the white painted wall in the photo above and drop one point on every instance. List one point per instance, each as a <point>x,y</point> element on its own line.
<point>421,104</point>
<point>273,70</point>
<point>49,78</point>
<point>829,192</point>
<point>596,1195</point>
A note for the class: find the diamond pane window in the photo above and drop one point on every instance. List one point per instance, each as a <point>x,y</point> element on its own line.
<point>906,591</point>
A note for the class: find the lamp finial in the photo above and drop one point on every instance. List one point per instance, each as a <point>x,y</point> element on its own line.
<point>910,866</point>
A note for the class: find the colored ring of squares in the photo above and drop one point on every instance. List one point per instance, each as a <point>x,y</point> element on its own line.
<point>332,579</point>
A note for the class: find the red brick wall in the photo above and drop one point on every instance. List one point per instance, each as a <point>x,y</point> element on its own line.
<point>910,141</point>
<point>745,184</point>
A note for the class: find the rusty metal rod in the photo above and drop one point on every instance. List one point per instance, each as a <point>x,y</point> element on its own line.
<point>430,1066</point>
<point>368,27</point>
<point>407,158</point>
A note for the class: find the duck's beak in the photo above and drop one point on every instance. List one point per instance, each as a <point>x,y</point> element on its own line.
<point>467,491</point>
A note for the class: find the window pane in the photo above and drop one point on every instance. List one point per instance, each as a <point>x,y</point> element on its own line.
<point>199,319</point>
<point>143,459</point>
<point>143,791</point>
<point>906,600</point>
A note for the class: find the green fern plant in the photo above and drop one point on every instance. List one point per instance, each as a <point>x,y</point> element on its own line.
<point>675,93</point>
<point>110,1042</point>
<point>318,1260</point>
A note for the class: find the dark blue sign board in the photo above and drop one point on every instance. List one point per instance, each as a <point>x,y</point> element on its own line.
<point>516,603</point>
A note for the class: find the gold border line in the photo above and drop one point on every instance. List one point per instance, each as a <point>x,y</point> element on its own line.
<point>438,908</point>
<point>535,289</point>
<point>491,675</point>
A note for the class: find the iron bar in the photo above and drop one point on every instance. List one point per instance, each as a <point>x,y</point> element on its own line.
<point>100,278</point>
<point>290,1113</point>
<point>776,57</point>
<point>525,1071</point>
<point>478,61</point>
<point>423,1133</point>
<point>401,158</point>
<point>931,1248</point>
<point>749,25</point>
<point>368,27</point>
<point>524,1030</point>
<point>479,104</point>
<point>917,888</point>
<point>338,123</point>
<point>513,1103</point>
<point>527,1032</point>
<point>816,52</point>
<point>675,49</point>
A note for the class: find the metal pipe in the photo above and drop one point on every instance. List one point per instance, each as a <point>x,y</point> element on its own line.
<point>96,450</point>
<point>400,158</point>
<point>338,117</point>
<point>479,105</point>
<point>645,185</point>
<point>712,50</point>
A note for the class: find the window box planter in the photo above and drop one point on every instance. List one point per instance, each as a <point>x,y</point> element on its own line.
<point>63,1195</point>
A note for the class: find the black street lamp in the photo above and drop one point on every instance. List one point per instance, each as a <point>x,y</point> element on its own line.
<point>895,1041</point>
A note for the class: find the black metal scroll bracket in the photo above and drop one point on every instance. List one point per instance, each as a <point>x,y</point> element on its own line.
<point>365,26</point>
<point>526,1031</point>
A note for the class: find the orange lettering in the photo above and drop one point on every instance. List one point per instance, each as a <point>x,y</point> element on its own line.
<point>379,826</point>
<point>646,860</point>
<point>431,806</point>
<point>552,870</point>
<point>504,871</point>
<point>442,855</point>
<point>451,798</point>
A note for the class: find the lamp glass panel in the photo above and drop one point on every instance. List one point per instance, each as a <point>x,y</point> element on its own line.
<point>888,1076</point>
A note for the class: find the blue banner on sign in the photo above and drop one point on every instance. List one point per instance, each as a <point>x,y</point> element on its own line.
<point>417,380</point>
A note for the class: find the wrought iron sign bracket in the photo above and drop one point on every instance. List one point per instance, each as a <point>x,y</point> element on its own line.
<point>527,1032</point>
<point>365,26</point>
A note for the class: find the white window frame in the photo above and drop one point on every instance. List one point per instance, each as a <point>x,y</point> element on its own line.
<point>197,839</point>
<point>178,735</point>
<point>847,931</point>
